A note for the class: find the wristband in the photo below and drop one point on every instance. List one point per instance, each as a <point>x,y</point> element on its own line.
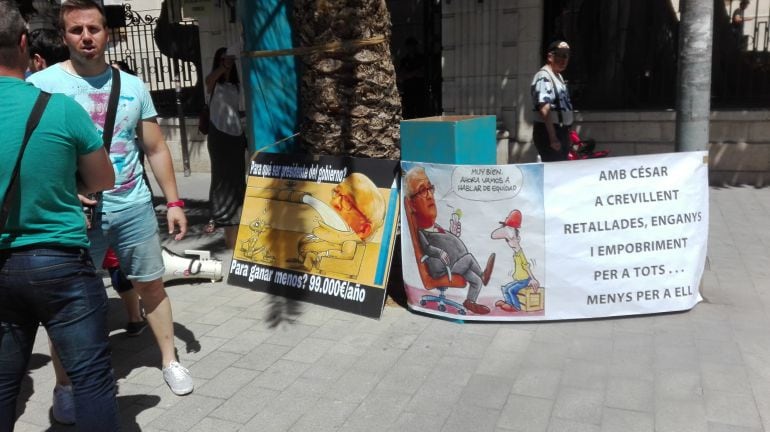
<point>178,203</point>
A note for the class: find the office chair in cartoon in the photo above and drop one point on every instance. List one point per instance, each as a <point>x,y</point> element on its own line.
<point>442,283</point>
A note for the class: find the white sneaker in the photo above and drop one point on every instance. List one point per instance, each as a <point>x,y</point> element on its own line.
<point>63,405</point>
<point>178,379</point>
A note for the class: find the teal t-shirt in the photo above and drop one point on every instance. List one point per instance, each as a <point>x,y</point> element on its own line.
<point>134,105</point>
<point>47,209</point>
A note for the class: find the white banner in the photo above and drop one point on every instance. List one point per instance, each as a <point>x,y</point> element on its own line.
<point>579,239</point>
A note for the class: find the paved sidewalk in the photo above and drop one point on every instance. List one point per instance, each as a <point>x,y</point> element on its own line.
<point>263,363</point>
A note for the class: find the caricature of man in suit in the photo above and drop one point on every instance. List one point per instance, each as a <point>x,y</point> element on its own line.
<point>445,252</point>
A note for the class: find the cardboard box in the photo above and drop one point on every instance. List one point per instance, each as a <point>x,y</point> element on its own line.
<point>462,140</point>
<point>532,301</point>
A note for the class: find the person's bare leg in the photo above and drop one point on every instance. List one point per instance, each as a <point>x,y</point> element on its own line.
<point>58,369</point>
<point>131,303</point>
<point>157,308</point>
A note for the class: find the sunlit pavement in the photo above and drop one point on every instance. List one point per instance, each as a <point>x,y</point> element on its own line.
<point>263,363</point>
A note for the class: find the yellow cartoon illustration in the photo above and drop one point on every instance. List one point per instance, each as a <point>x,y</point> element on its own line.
<point>328,235</point>
<point>523,293</point>
<point>340,249</point>
<point>254,247</point>
<point>443,260</point>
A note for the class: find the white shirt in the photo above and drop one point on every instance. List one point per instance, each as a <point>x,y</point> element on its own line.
<point>223,109</point>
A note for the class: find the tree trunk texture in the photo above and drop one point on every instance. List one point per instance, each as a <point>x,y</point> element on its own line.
<point>349,103</point>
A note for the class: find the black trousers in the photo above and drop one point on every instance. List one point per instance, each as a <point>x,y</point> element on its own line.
<point>228,176</point>
<point>543,143</point>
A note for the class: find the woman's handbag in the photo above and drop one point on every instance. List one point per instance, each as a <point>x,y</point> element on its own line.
<point>203,120</point>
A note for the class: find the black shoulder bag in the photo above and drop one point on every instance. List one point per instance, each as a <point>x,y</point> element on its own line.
<point>112,110</point>
<point>13,185</point>
<point>108,130</point>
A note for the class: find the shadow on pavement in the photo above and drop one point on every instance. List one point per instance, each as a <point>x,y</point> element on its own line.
<point>282,309</point>
<point>130,406</point>
<point>36,361</point>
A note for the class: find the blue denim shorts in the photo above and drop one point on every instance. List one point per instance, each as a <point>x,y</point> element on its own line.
<point>133,234</point>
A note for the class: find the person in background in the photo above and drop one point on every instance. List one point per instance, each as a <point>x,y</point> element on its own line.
<point>226,145</point>
<point>737,24</point>
<point>552,105</point>
<point>46,48</point>
<point>124,217</point>
<point>46,273</point>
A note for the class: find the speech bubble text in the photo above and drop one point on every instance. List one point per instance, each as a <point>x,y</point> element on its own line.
<point>487,183</point>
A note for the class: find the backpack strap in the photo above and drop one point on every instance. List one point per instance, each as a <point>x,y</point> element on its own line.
<point>112,110</point>
<point>13,185</point>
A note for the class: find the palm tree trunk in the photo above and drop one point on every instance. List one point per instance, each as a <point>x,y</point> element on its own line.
<point>349,102</point>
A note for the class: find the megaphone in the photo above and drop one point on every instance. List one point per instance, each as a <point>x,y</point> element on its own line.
<point>195,264</point>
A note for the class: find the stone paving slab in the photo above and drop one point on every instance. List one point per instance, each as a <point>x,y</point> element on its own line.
<point>267,364</point>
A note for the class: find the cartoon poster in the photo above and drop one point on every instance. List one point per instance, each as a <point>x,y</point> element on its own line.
<point>567,240</point>
<point>320,229</point>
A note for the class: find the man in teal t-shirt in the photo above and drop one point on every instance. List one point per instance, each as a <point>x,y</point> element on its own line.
<point>46,274</point>
<point>50,212</point>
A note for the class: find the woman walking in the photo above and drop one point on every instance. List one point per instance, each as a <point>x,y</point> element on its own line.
<point>226,145</point>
